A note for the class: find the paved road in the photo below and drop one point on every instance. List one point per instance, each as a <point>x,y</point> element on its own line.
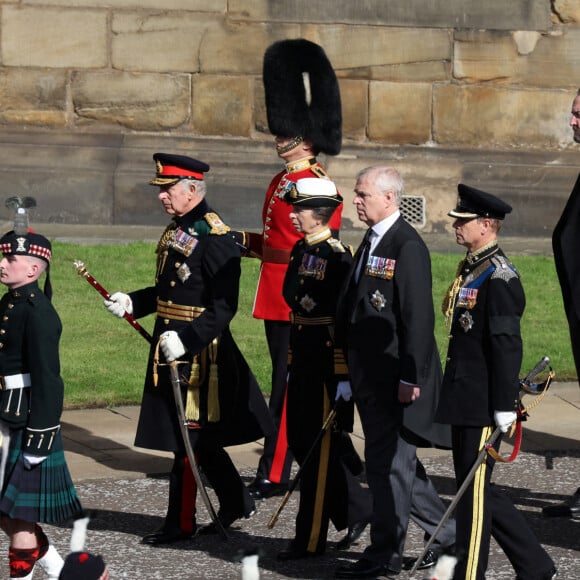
<point>126,488</point>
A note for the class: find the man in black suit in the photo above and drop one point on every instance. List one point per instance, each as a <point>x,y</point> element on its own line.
<point>567,260</point>
<point>385,319</point>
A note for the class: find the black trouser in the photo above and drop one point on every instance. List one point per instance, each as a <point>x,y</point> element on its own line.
<point>222,475</point>
<point>484,511</point>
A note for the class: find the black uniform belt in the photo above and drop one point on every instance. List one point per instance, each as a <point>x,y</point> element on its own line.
<point>310,320</point>
<point>171,311</point>
<point>19,381</point>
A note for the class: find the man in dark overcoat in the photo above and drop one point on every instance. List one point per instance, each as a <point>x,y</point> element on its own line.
<point>385,318</point>
<point>195,297</point>
<point>565,242</point>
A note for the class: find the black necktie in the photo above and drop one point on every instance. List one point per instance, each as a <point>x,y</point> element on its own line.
<point>364,255</point>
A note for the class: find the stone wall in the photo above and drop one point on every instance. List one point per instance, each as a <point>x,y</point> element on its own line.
<point>447,90</point>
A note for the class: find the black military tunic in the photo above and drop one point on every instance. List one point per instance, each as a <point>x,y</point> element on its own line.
<point>485,304</point>
<point>485,347</point>
<point>318,265</point>
<point>30,331</point>
<point>196,294</point>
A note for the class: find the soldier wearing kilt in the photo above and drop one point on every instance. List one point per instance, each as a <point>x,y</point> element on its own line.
<point>36,484</point>
<point>195,297</point>
<point>317,377</point>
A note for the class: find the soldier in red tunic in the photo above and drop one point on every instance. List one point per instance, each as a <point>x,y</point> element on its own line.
<point>304,115</point>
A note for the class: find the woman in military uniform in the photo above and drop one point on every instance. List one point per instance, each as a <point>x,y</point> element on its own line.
<point>36,483</point>
<point>318,376</point>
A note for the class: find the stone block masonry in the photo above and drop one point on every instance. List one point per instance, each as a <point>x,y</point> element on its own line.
<point>436,83</point>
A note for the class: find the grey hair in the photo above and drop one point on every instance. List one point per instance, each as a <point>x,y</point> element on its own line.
<point>199,184</point>
<point>385,179</point>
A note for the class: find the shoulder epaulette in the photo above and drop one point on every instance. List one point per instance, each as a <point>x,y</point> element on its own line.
<point>504,269</point>
<point>337,246</point>
<point>217,226</point>
<point>319,171</point>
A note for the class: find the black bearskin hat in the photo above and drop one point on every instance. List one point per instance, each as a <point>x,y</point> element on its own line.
<point>302,94</point>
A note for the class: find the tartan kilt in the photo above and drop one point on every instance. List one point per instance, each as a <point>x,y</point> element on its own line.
<point>45,493</point>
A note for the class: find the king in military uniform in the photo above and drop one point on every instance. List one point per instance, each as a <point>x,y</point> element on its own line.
<point>484,306</point>
<point>36,483</point>
<point>195,296</point>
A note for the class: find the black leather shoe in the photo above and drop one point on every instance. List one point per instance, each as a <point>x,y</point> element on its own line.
<point>227,519</point>
<point>364,569</point>
<point>567,509</point>
<point>429,559</point>
<point>353,534</point>
<point>264,488</point>
<point>166,536</point>
<point>293,554</point>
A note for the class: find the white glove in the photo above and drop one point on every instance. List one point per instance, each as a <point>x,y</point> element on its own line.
<point>171,345</point>
<point>504,419</point>
<point>343,391</point>
<point>119,304</point>
<point>31,461</point>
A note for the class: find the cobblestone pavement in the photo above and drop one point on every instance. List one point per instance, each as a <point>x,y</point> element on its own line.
<point>126,508</point>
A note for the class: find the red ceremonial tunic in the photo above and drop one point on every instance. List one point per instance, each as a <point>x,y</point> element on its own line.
<point>275,243</point>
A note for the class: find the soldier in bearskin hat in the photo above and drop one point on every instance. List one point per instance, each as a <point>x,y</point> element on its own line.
<point>35,480</point>
<point>304,115</point>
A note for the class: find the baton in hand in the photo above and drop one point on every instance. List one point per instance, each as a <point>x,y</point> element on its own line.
<point>82,271</point>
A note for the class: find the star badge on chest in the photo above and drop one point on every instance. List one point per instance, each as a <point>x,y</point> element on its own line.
<point>183,273</point>
<point>466,321</point>
<point>378,300</point>
<point>307,303</point>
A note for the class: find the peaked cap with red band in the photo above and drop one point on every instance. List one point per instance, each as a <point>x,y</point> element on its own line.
<point>172,168</point>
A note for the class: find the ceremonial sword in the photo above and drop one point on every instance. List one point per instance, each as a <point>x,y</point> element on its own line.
<point>328,421</point>
<point>175,383</point>
<point>527,381</point>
